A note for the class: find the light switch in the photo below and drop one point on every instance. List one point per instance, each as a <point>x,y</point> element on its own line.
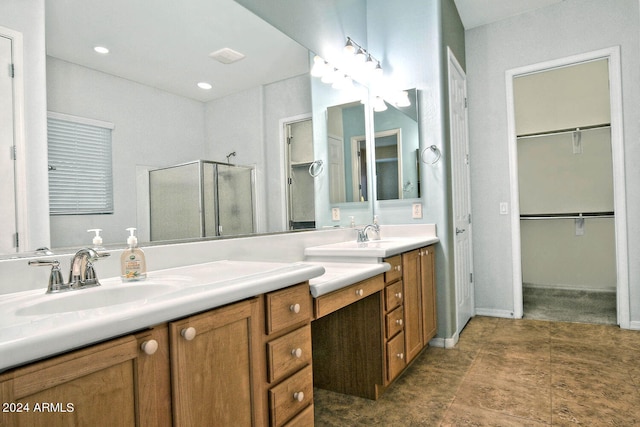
<point>504,208</point>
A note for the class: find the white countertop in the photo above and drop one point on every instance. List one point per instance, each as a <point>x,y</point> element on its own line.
<point>382,248</point>
<point>35,325</point>
<point>337,275</point>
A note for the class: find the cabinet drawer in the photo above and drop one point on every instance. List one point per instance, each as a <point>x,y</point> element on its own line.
<point>394,322</point>
<point>289,353</point>
<point>393,296</point>
<point>291,396</point>
<point>288,307</point>
<point>395,356</point>
<point>303,419</point>
<point>396,269</point>
<point>341,298</point>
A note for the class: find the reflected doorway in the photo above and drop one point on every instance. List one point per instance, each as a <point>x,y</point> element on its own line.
<point>301,169</point>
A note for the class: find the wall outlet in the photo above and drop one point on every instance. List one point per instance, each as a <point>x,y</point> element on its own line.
<point>335,214</point>
<point>416,211</point>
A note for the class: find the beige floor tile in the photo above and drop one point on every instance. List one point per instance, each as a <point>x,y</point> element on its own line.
<point>506,372</point>
<point>462,415</point>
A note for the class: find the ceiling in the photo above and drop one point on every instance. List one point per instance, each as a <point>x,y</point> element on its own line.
<point>475,13</point>
<point>166,43</point>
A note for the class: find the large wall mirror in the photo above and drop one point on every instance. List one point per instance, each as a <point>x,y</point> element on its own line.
<point>397,151</point>
<point>146,87</point>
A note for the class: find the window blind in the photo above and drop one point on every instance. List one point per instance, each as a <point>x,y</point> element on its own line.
<point>80,168</point>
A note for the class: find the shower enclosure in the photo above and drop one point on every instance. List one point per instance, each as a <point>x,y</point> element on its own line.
<point>201,199</point>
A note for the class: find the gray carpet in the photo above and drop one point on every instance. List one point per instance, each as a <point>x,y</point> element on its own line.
<point>569,306</point>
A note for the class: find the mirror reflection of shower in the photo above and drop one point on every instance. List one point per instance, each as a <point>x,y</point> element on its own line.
<point>232,154</point>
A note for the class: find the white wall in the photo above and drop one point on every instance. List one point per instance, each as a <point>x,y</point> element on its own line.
<point>248,123</point>
<point>152,128</point>
<point>286,99</point>
<point>564,29</point>
<point>27,17</point>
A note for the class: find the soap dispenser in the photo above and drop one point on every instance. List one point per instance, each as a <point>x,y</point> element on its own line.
<point>97,239</point>
<point>134,265</point>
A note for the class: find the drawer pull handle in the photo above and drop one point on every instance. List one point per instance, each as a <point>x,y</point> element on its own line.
<point>296,352</point>
<point>399,295</point>
<point>294,308</point>
<point>399,322</point>
<point>397,268</point>
<point>400,356</point>
<point>149,347</point>
<point>188,333</point>
<point>299,396</point>
<point>359,292</point>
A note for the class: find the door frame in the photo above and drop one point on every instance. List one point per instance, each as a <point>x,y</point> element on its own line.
<point>20,171</point>
<point>284,165</point>
<point>612,54</point>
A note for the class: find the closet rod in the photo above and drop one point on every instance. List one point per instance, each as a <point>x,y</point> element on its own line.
<point>570,215</point>
<point>561,131</point>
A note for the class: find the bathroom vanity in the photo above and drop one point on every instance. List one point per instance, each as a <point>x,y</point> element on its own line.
<point>366,334</point>
<point>228,342</point>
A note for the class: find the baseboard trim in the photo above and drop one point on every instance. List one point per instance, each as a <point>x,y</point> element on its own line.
<point>635,325</point>
<point>445,342</point>
<point>490,312</point>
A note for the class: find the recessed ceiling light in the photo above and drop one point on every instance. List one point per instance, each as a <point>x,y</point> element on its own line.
<point>204,85</point>
<point>101,49</point>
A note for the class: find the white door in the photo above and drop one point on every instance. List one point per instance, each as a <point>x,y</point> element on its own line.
<point>7,162</point>
<point>461,195</point>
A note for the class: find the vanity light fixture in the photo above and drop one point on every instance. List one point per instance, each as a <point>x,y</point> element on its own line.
<point>205,86</point>
<point>101,49</point>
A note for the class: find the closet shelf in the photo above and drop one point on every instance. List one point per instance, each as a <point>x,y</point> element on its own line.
<point>572,215</point>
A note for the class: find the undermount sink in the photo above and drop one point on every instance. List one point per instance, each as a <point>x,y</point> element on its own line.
<point>102,296</point>
<point>373,248</point>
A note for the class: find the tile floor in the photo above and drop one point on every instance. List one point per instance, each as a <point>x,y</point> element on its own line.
<point>506,372</point>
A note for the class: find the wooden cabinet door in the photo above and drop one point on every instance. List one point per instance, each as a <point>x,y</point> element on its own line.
<point>153,378</point>
<point>413,335</point>
<point>427,276</point>
<point>95,386</point>
<point>211,367</point>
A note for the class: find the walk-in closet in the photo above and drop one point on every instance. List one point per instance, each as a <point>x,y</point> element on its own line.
<point>565,179</point>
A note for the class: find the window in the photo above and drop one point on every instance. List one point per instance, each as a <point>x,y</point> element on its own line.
<point>80,172</point>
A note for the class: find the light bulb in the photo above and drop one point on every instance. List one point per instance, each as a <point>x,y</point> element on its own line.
<point>379,105</point>
<point>320,67</point>
<point>403,99</point>
<point>349,47</point>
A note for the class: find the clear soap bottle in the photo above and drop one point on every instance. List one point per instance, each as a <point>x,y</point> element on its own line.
<point>134,264</point>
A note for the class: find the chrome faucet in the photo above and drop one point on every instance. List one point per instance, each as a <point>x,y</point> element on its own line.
<point>81,274</point>
<point>362,232</point>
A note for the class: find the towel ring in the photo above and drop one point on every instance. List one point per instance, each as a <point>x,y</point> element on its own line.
<point>435,151</point>
<point>317,165</point>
